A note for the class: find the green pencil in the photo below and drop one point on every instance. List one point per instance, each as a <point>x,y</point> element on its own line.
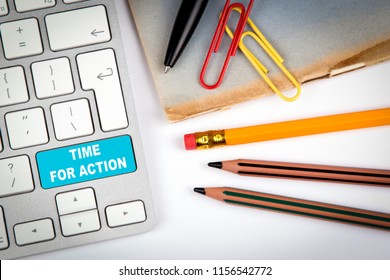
<point>297,206</point>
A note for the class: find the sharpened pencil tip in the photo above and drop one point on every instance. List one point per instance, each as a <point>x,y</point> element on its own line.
<point>166,70</point>
<point>200,190</point>
<point>215,164</point>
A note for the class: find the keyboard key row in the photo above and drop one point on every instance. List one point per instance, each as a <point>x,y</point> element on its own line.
<point>31,5</point>
<point>84,200</point>
<point>78,212</point>
<point>51,78</point>
<point>79,163</point>
<point>98,72</point>
<point>27,128</point>
<point>84,27</point>
<point>74,222</point>
<point>72,119</point>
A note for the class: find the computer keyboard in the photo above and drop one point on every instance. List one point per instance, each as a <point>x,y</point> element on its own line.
<point>72,169</point>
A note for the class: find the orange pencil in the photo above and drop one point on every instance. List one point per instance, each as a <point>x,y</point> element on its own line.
<point>332,123</point>
<point>301,171</point>
<point>297,206</point>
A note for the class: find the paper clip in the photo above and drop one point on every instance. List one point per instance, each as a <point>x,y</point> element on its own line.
<point>261,69</point>
<point>217,38</point>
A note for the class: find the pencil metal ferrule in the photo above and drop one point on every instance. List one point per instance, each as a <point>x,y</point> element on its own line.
<point>210,139</point>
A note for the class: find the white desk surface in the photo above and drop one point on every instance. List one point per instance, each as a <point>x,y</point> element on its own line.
<point>191,226</point>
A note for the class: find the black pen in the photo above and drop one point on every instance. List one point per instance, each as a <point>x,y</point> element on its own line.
<point>185,24</point>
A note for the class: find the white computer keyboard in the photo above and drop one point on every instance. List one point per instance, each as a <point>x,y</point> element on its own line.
<point>71,164</point>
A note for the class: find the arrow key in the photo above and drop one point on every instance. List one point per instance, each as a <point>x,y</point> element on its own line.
<point>125,213</point>
<point>76,201</point>
<point>34,231</point>
<point>82,222</point>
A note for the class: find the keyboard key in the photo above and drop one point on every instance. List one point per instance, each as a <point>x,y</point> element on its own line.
<point>15,174</point>
<point>3,232</point>
<point>52,77</point>
<point>73,1</point>
<point>26,128</point>
<point>13,89</point>
<point>75,201</point>
<point>72,119</point>
<point>21,38</point>
<point>3,8</point>
<point>33,232</point>
<point>1,144</point>
<point>30,5</point>
<point>83,27</point>
<point>79,223</point>
<point>125,213</point>
<point>86,162</point>
<point>98,72</point>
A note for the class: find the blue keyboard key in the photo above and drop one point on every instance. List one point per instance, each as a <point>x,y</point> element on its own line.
<point>86,162</point>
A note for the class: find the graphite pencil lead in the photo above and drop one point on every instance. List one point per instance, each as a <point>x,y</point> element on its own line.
<point>166,70</point>
<point>200,190</point>
<point>215,164</point>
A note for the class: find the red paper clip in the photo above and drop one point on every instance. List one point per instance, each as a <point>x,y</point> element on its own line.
<point>217,38</point>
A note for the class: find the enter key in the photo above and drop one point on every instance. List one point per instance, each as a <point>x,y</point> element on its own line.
<point>98,72</point>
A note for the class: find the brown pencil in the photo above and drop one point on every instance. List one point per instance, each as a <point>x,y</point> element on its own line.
<point>288,170</point>
<point>297,206</point>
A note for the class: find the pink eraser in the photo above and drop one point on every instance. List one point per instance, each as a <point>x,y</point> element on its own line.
<point>190,141</point>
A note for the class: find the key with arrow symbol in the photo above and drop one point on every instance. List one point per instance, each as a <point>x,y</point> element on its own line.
<point>101,76</point>
<point>95,33</point>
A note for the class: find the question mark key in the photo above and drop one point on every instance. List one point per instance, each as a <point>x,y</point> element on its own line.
<point>15,174</point>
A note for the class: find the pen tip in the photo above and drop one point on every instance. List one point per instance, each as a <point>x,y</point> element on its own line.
<point>215,164</point>
<point>167,68</point>
<point>200,190</point>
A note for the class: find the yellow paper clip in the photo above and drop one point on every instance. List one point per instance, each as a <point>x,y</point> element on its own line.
<point>260,68</point>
